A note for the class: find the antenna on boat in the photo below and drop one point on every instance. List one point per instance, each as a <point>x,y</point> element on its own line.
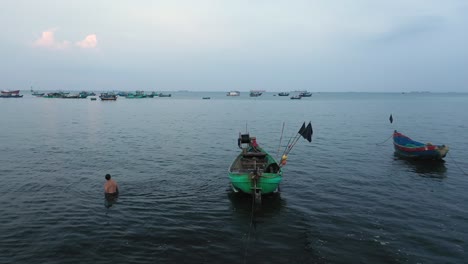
<point>305,132</point>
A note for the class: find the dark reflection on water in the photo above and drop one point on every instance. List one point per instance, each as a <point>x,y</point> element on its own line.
<point>271,225</point>
<point>270,204</point>
<point>425,168</point>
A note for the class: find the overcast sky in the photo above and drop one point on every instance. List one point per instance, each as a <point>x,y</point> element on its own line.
<point>221,45</point>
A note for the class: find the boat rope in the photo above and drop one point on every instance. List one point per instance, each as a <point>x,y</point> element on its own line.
<point>250,229</point>
<point>385,140</point>
<point>456,164</point>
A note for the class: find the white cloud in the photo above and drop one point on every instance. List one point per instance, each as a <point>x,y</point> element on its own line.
<point>89,42</point>
<point>47,40</point>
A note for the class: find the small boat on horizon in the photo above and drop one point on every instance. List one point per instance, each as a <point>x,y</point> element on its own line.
<point>405,147</point>
<point>137,95</point>
<point>305,94</point>
<point>108,97</point>
<point>36,93</point>
<point>283,94</point>
<point>296,97</point>
<point>256,93</point>
<point>233,93</point>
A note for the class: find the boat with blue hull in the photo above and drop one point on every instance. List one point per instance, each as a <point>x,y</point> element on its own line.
<point>405,147</point>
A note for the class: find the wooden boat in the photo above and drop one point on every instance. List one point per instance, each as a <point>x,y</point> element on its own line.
<point>254,170</point>
<point>407,148</point>
<point>10,94</point>
<point>164,95</point>
<point>283,94</point>
<point>108,97</point>
<point>296,97</point>
<point>206,97</point>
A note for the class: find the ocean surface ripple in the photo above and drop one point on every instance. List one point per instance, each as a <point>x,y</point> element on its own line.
<point>345,197</point>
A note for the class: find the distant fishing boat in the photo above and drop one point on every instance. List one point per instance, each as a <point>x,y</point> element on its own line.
<point>206,97</point>
<point>283,94</point>
<point>233,93</point>
<point>164,95</point>
<point>55,95</point>
<point>11,94</point>
<point>136,95</point>
<point>71,96</point>
<point>108,97</point>
<point>36,93</point>
<point>296,97</point>
<point>85,94</point>
<point>305,94</point>
<point>407,148</point>
<point>254,171</point>
<point>256,93</point>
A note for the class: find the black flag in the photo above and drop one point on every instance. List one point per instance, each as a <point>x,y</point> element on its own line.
<point>306,132</point>
<point>391,118</point>
<point>303,127</point>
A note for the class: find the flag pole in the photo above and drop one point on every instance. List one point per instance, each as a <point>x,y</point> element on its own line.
<point>281,138</point>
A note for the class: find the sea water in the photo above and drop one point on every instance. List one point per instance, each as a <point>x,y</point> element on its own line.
<point>345,197</point>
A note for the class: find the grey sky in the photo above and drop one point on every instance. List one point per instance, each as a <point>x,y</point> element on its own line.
<point>216,45</point>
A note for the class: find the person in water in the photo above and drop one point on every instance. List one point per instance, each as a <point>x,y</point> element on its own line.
<point>110,187</point>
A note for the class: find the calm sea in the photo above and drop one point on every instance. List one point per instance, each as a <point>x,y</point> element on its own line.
<point>345,197</point>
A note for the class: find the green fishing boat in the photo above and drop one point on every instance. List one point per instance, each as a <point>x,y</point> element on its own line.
<point>255,171</point>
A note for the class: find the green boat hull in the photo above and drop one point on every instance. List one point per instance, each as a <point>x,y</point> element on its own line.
<point>268,183</point>
<point>242,176</point>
